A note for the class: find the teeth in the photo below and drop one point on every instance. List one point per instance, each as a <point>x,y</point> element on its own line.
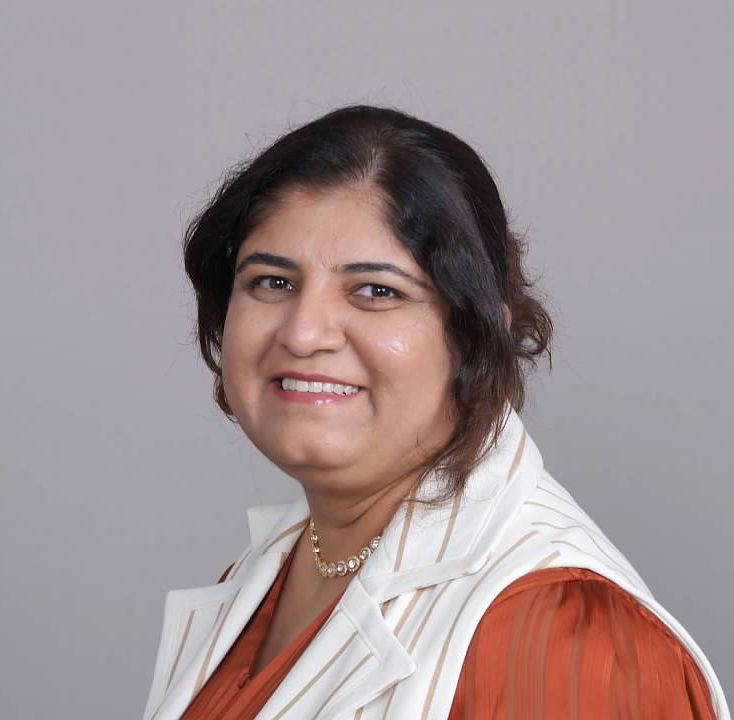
<point>317,387</point>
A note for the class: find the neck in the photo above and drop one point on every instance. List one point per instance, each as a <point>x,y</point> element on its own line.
<point>345,525</point>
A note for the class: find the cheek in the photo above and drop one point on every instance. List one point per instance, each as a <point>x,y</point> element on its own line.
<point>239,345</point>
<point>411,355</point>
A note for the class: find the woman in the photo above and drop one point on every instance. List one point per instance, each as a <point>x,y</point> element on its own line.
<point>362,305</point>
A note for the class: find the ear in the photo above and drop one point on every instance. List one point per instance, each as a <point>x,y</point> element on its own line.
<point>508,315</point>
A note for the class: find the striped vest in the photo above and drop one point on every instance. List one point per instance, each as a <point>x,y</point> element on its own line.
<point>395,643</point>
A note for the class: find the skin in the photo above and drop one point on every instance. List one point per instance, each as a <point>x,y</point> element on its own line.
<point>373,329</point>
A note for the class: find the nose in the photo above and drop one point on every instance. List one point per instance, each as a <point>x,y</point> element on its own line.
<point>310,323</point>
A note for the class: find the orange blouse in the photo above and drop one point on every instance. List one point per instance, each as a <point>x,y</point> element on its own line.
<point>563,643</point>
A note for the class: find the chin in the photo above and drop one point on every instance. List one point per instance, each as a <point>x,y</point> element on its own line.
<point>305,452</point>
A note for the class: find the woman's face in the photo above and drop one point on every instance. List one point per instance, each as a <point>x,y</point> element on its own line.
<point>294,309</point>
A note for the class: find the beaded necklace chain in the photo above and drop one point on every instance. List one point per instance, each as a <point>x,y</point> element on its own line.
<point>341,567</point>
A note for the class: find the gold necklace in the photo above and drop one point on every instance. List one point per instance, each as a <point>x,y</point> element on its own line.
<point>341,567</point>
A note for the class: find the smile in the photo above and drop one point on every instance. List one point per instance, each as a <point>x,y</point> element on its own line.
<point>313,393</point>
<point>317,387</point>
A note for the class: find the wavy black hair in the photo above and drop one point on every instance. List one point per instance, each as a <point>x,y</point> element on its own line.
<point>442,204</point>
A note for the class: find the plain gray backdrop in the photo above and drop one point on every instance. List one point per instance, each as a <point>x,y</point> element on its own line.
<point>608,126</point>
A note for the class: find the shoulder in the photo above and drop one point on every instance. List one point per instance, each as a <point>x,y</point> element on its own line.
<point>570,642</point>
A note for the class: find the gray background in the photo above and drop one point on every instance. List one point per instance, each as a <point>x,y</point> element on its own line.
<point>609,128</point>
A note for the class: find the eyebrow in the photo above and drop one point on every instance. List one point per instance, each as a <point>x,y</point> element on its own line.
<point>264,258</point>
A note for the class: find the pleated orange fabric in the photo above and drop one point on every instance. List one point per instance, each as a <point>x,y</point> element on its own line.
<point>557,644</point>
<point>569,643</point>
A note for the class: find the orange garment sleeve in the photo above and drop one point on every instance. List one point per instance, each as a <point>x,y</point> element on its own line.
<point>567,643</point>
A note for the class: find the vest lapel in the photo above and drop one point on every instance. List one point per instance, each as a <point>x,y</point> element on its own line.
<point>201,624</point>
<point>353,658</point>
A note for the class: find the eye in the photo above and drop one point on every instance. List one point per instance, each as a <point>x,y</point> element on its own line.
<point>255,282</point>
<point>395,293</point>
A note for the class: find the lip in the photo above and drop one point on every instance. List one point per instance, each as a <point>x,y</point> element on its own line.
<point>315,399</point>
<point>313,377</point>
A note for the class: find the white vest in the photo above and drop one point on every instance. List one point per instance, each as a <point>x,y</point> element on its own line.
<point>395,643</point>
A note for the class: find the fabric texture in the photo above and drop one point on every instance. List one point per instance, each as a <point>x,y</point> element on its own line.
<point>558,643</point>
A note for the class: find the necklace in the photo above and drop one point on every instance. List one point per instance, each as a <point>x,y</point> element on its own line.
<point>341,567</point>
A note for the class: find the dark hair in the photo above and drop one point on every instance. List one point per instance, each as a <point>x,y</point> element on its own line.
<point>442,204</point>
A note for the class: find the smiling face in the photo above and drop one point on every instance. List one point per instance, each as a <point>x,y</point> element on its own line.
<point>294,308</point>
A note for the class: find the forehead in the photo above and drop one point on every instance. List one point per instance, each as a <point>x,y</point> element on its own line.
<point>336,225</point>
